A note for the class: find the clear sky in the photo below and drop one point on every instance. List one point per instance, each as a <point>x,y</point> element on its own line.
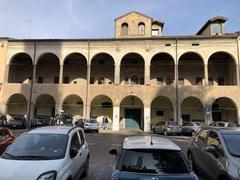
<point>95,18</point>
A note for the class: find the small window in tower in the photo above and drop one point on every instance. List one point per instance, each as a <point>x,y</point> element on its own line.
<point>155,32</point>
<point>141,28</point>
<point>124,29</point>
<point>216,29</point>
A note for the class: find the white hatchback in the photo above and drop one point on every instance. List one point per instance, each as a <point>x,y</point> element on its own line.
<point>46,153</point>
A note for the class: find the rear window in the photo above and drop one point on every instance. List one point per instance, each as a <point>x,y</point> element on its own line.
<point>154,161</point>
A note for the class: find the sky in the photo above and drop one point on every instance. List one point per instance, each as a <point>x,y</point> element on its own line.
<point>80,19</point>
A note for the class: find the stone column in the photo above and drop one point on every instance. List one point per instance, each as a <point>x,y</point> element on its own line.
<point>32,111</point>
<point>237,74</point>
<point>3,108</point>
<point>147,74</point>
<point>88,109</point>
<point>238,116</point>
<point>208,114</point>
<point>206,74</point>
<point>61,74</point>
<point>147,119</point>
<point>117,74</point>
<point>88,74</point>
<point>7,73</point>
<point>116,118</point>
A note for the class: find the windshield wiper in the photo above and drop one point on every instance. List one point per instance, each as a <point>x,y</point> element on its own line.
<point>9,156</point>
<point>236,155</point>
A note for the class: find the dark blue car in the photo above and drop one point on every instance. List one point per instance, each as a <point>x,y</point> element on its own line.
<point>150,158</point>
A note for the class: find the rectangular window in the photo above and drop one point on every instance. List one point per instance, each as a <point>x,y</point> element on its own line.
<point>66,80</point>
<point>91,80</point>
<point>56,80</point>
<point>210,81</point>
<point>142,80</point>
<point>155,32</point>
<point>159,113</point>
<point>216,29</point>
<point>159,81</point>
<point>220,81</point>
<point>199,81</point>
<point>181,81</point>
<point>40,80</point>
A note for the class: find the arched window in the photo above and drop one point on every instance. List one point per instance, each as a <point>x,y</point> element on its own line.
<point>124,30</point>
<point>141,28</point>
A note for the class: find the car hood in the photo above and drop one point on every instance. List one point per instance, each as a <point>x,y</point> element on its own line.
<point>27,170</point>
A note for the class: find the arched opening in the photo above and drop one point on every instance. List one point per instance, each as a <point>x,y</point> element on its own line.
<point>75,69</point>
<point>45,107</point>
<point>192,110</point>
<point>102,106</point>
<point>162,69</point>
<point>221,70</point>
<point>47,70</point>
<point>190,69</point>
<point>20,69</point>
<point>141,28</point>
<point>17,105</point>
<point>102,69</point>
<point>224,109</point>
<point>132,69</point>
<point>124,29</point>
<point>131,113</point>
<point>161,109</point>
<point>73,105</point>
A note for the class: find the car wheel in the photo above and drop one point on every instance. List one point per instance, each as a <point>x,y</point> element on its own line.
<point>192,133</point>
<point>85,172</point>
<point>165,133</point>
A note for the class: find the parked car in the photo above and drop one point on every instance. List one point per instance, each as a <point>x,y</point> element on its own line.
<point>3,120</point>
<point>190,128</point>
<point>146,157</point>
<point>223,124</point>
<point>6,138</point>
<point>38,122</point>
<point>216,153</point>
<point>64,119</point>
<point>58,153</point>
<point>167,127</point>
<point>17,122</point>
<point>91,125</point>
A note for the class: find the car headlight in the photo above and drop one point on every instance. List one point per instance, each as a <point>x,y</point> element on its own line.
<point>50,175</point>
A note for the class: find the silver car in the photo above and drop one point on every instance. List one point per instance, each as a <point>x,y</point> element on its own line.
<point>167,127</point>
<point>91,125</point>
<point>190,128</point>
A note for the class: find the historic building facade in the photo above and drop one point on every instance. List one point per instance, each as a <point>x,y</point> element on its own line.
<point>136,79</point>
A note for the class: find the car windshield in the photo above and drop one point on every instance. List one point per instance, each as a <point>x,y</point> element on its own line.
<point>232,145</point>
<point>38,147</point>
<point>3,135</point>
<point>154,162</point>
<point>173,123</point>
<point>91,121</point>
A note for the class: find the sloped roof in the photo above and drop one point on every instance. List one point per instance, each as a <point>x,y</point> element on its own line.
<point>212,20</point>
<point>132,13</point>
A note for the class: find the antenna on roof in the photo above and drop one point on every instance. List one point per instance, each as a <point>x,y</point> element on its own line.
<point>151,143</point>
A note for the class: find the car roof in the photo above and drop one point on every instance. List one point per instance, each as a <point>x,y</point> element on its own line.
<point>52,130</point>
<point>221,129</point>
<point>144,142</point>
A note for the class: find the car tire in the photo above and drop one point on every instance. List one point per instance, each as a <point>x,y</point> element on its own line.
<point>165,133</point>
<point>192,133</point>
<point>86,169</point>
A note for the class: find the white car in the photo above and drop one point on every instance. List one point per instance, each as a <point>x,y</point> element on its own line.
<point>46,153</point>
<point>91,125</point>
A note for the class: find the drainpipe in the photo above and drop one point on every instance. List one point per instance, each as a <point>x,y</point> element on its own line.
<point>31,87</point>
<point>176,81</point>
<point>88,81</point>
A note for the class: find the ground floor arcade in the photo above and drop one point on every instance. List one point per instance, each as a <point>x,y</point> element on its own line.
<point>130,112</point>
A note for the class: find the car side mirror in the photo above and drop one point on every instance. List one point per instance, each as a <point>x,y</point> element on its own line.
<point>73,152</point>
<point>113,152</point>
<point>212,150</point>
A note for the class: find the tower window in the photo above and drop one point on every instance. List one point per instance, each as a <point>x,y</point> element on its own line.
<point>141,28</point>
<point>124,29</point>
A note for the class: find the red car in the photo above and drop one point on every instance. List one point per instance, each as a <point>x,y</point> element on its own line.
<point>6,138</point>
